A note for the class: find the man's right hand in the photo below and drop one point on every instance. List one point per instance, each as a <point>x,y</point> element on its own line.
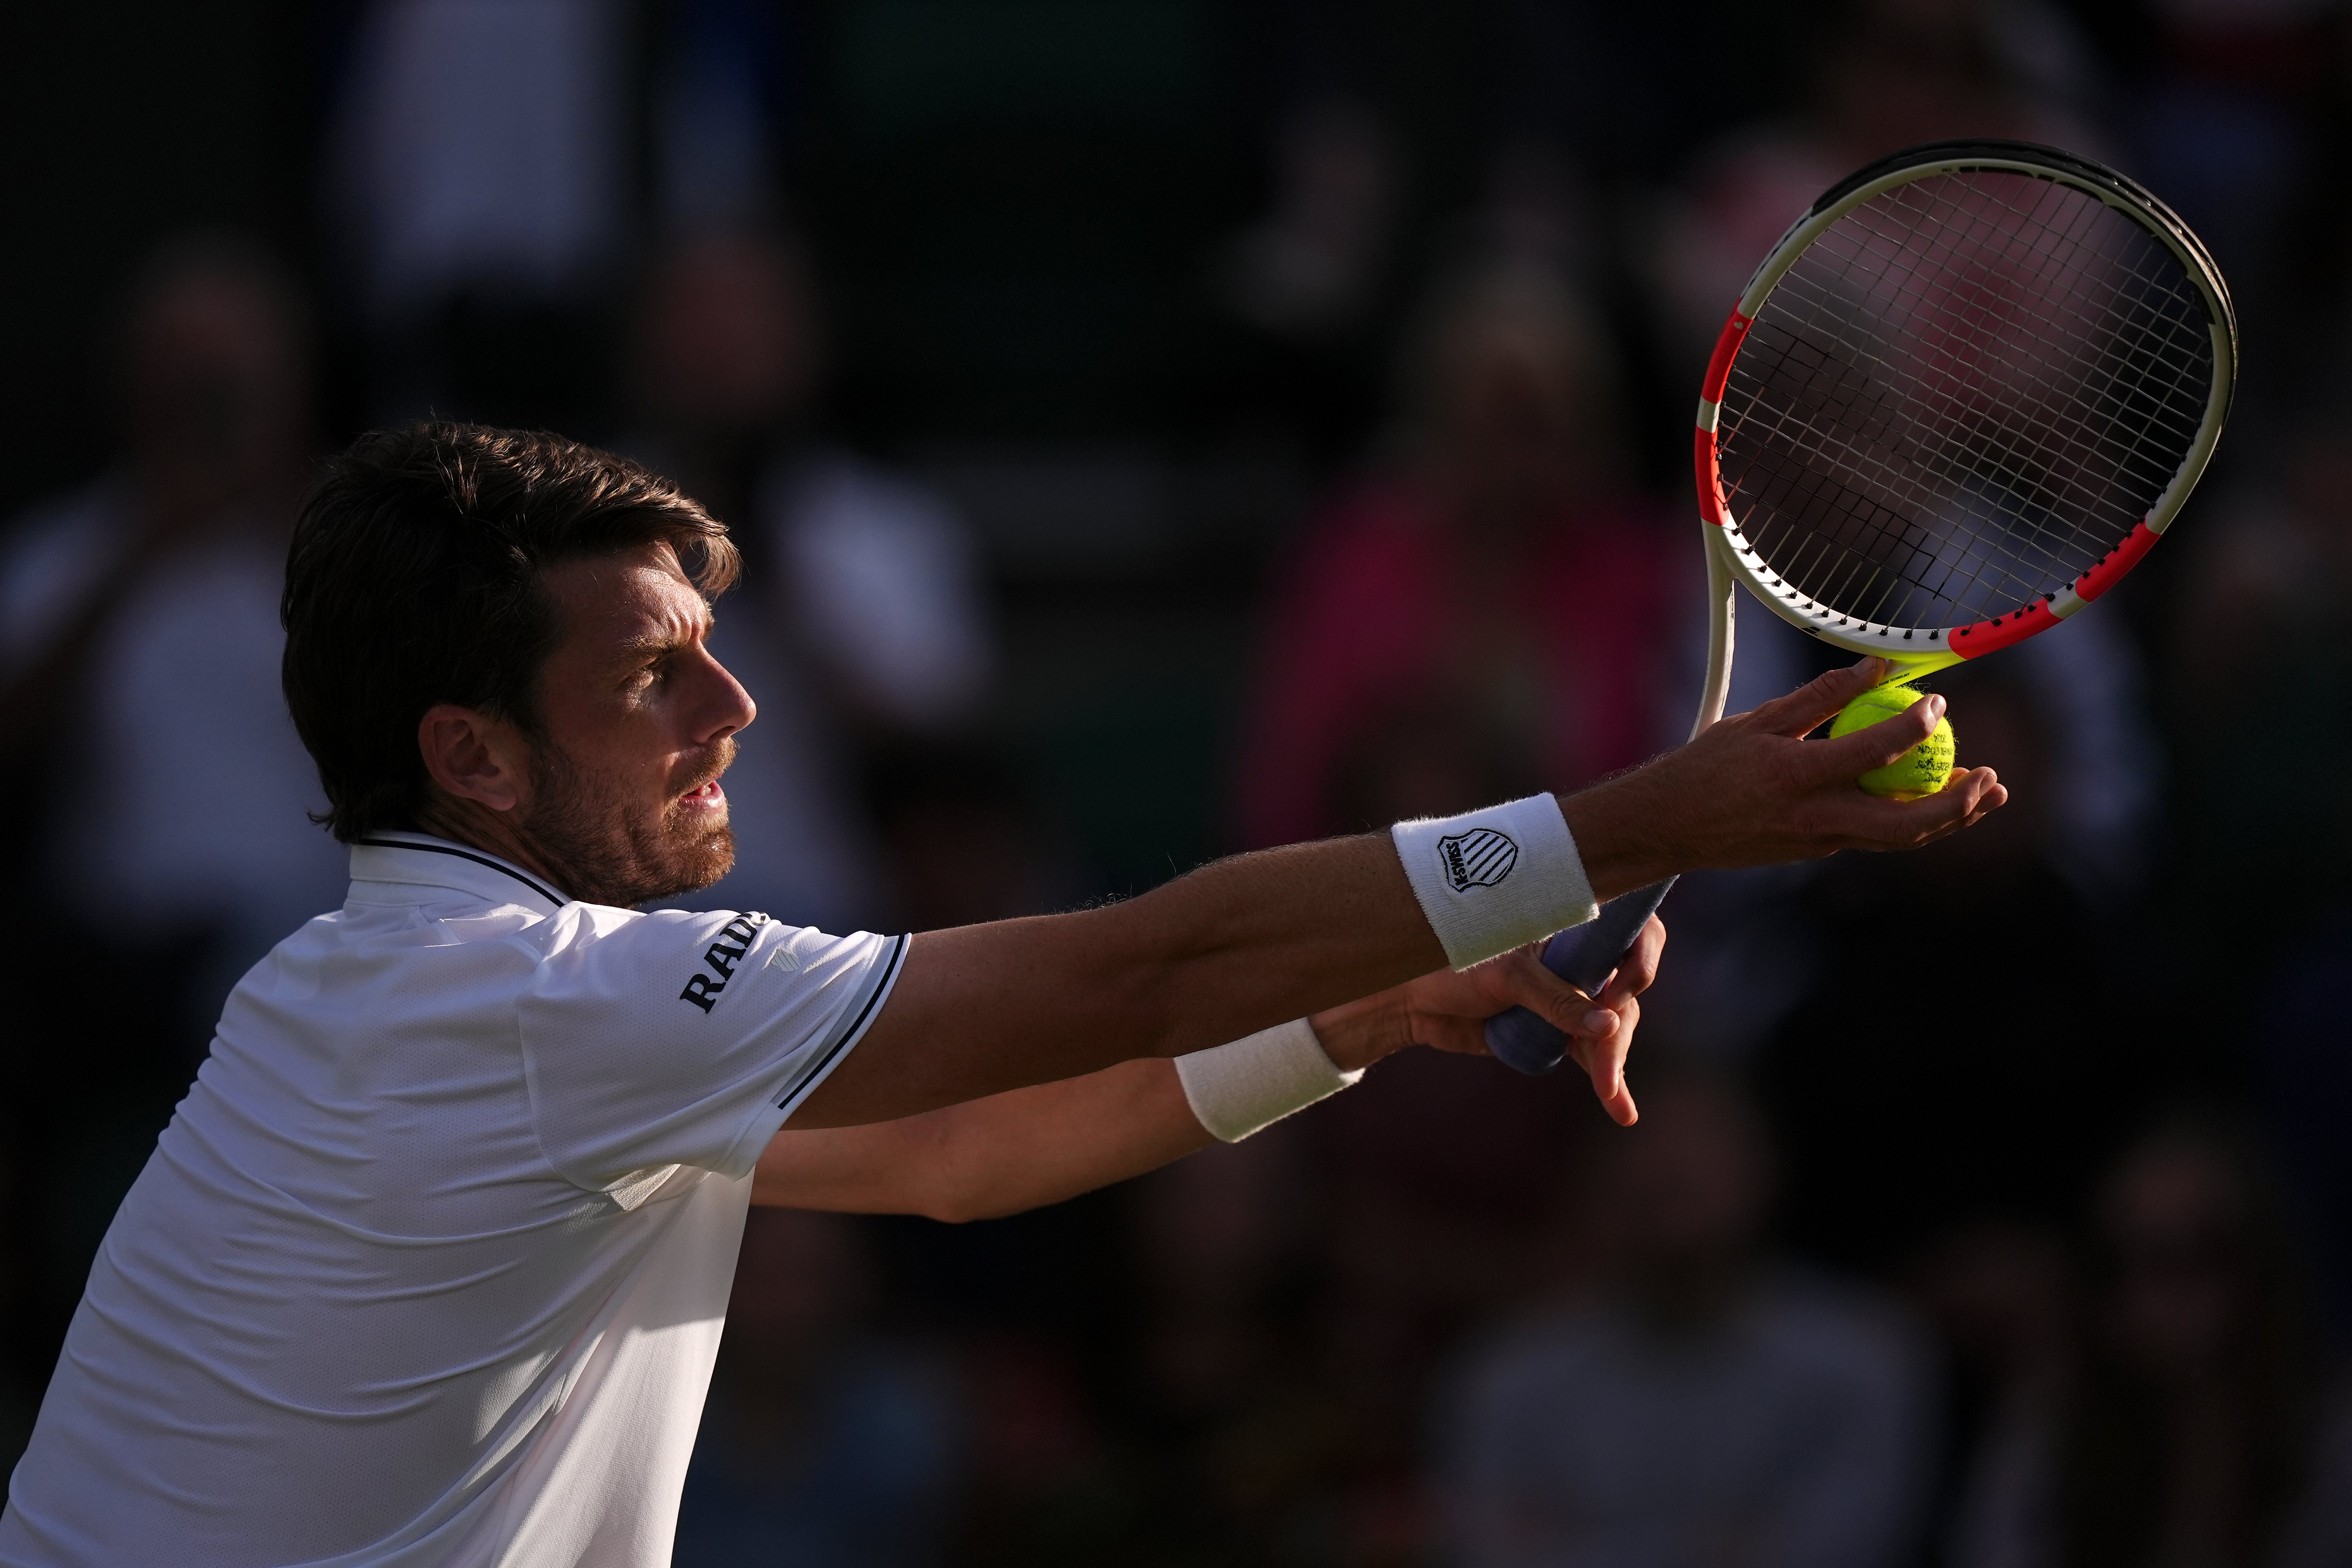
<point>1751,791</point>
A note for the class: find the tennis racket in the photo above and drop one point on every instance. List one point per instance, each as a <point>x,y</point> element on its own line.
<point>1967,391</point>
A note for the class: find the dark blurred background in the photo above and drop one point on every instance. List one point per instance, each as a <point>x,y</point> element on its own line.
<point>1162,427</point>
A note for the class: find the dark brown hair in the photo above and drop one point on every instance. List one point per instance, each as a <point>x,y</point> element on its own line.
<point>415,579</point>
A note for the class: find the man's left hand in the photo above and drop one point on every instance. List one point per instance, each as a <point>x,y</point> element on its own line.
<point>1449,1011</point>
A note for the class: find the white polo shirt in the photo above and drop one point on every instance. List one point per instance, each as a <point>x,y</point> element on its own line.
<point>431,1264</point>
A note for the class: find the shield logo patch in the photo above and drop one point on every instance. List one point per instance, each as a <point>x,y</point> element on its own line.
<point>1478,859</point>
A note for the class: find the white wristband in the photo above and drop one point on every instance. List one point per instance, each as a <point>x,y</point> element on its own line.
<point>1238,1089</point>
<point>1491,880</point>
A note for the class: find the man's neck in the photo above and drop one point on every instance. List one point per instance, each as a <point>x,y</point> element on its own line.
<point>495,833</point>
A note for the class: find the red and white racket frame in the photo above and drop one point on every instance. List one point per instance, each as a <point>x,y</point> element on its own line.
<point>1916,650</point>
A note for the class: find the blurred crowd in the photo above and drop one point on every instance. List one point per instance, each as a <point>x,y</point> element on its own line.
<point>1155,428</point>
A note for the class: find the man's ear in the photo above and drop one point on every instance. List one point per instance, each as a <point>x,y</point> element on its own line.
<point>470,755</point>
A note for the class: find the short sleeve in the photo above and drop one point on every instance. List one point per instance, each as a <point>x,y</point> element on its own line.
<point>686,1038</point>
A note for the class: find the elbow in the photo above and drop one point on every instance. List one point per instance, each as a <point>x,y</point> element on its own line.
<point>964,1208</point>
<point>1139,985</point>
<point>1151,1008</point>
<point>949,1208</point>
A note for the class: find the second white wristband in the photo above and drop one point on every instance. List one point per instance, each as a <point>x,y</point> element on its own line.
<point>1491,880</point>
<point>1238,1089</point>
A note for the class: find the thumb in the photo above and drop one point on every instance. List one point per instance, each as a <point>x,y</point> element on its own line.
<point>1813,704</point>
<point>1876,746</point>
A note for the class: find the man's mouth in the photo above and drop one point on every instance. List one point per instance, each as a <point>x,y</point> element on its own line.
<point>707,797</point>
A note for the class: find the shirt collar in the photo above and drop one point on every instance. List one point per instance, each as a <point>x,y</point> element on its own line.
<point>418,860</point>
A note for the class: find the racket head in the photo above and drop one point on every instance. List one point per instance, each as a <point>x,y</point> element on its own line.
<point>1964,394</point>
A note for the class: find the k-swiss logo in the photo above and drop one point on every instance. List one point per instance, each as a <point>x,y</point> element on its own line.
<point>1478,859</point>
<point>723,955</point>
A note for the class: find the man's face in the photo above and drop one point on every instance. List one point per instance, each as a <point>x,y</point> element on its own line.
<point>639,721</point>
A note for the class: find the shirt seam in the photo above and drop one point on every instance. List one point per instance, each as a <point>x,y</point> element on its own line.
<point>858,1024</point>
<point>834,1055</point>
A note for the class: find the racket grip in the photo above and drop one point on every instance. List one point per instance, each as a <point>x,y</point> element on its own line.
<point>1585,956</point>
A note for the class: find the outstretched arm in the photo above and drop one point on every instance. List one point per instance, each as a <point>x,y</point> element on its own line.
<point>1248,942</point>
<point>992,1156</point>
<point>1038,1146</point>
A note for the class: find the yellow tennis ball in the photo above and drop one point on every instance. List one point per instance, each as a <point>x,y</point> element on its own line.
<point>1920,771</point>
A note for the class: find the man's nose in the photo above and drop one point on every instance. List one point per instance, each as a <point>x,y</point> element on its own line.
<point>728,706</point>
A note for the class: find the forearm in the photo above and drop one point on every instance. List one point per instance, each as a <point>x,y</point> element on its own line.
<point>1033,1146</point>
<point>1230,949</point>
<point>1251,941</point>
<point>988,1157</point>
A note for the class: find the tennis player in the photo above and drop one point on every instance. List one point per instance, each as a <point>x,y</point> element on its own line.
<point>430,1266</point>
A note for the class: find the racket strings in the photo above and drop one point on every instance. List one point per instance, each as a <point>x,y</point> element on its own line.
<point>1989,338</point>
<point>1964,394</point>
<point>1970,471</point>
<point>1970,560</point>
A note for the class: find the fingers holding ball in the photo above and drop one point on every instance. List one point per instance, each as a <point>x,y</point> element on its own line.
<point>1921,770</point>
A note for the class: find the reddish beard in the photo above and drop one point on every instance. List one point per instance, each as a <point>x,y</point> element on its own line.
<point>604,850</point>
